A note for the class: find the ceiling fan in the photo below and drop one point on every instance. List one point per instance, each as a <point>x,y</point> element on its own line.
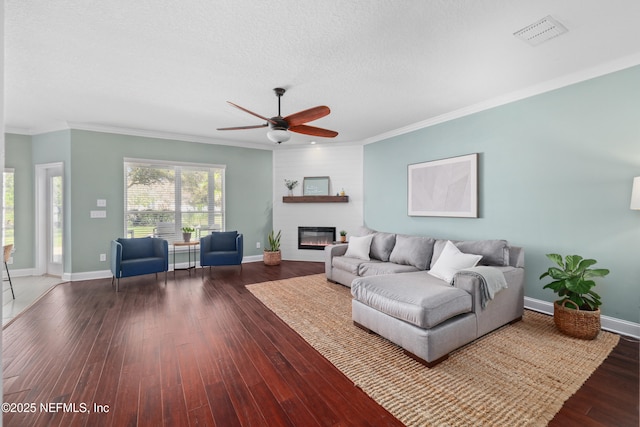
<point>280,126</point>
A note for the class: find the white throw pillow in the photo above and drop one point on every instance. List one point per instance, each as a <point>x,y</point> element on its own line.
<point>451,261</point>
<point>359,247</point>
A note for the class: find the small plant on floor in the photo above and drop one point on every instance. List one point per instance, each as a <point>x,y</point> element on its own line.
<point>272,254</point>
<point>274,241</point>
<point>572,281</point>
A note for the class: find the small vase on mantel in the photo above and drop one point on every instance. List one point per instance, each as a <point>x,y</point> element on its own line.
<point>290,194</point>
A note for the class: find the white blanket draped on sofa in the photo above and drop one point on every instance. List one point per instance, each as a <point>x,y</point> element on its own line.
<point>491,281</point>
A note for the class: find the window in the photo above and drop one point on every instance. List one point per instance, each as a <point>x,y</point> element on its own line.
<point>8,207</point>
<point>161,198</point>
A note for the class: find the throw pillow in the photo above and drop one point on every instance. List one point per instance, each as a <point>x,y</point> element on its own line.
<point>382,245</point>
<point>494,252</point>
<point>412,250</point>
<point>451,261</point>
<point>359,247</point>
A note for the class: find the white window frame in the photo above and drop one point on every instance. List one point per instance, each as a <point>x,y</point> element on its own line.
<point>177,166</point>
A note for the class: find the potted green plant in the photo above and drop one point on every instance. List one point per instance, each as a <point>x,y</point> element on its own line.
<point>272,254</point>
<point>290,184</point>
<point>186,233</point>
<point>577,313</point>
<point>343,235</point>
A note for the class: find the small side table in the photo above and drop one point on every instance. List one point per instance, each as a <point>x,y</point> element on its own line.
<point>189,245</point>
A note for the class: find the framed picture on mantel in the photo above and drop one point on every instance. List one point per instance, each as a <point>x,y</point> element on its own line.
<point>447,187</point>
<point>315,186</point>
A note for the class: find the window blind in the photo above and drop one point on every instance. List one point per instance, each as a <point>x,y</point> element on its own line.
<point>162,198</point>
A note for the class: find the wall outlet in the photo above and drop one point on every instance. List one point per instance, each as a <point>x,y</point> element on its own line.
<point>257,245</point>
<point>103,257</point>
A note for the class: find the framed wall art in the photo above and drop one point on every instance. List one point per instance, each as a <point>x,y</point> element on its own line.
<point>447,187</point>
<point>315,186</point>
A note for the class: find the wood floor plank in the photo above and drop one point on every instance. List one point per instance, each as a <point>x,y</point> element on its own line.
<point>206,352</point>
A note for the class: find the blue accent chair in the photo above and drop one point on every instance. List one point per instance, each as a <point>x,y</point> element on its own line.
<point>221,248</point>
<point>137,256</point>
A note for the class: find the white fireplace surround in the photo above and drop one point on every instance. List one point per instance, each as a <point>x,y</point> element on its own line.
<point>344,166</point>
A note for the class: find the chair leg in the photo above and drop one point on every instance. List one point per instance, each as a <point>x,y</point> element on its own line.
<point>10,284</point>
<point>165,277</point>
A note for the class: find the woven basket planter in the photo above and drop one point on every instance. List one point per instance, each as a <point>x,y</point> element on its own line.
<point>272,258</point>
<point>576,323</point>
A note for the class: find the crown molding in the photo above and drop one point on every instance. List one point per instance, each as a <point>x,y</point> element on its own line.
<point>567,80</point>
<point>32,131</point>
<point>16,130</point>
<point>168,135</point>
<point>163,135</point>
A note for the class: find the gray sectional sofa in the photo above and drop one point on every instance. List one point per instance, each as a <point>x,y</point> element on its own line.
<point>429,296</point>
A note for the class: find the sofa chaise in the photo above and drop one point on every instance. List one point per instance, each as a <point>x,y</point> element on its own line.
<point>429,296</point>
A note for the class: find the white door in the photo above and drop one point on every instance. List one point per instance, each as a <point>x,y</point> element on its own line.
<point>50,218</point>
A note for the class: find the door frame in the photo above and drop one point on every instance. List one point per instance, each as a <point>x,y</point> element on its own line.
<point>41,219</point>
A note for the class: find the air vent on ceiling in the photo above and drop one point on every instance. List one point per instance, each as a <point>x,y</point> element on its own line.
<point>541,31</point>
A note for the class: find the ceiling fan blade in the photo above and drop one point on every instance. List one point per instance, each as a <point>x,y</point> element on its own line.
<point>245,127</point>
<point>309,115</point>
<point>312,130</point>
<point>252,113</point>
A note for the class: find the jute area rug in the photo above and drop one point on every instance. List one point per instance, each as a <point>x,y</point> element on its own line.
<point>519,375</point>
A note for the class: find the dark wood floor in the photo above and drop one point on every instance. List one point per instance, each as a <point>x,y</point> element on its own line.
<point>198,352</point>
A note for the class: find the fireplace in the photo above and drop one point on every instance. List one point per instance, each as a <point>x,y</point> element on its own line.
<point>315,237</point>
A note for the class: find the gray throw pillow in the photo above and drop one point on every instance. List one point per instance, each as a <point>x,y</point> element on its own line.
<point>412,250</point>
<point>494,252</point>
<point>382,245</point>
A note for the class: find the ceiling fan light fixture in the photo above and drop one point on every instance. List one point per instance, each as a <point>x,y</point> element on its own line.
<point>278,135</point>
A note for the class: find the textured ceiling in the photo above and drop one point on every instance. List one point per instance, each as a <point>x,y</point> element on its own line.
<point>168,67</point>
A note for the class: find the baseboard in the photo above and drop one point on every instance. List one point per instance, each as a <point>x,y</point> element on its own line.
<point>23,272</point>
<point>86,275</point>
<point>612,324</point>
<point>252,258</point>
<point>105,274</point>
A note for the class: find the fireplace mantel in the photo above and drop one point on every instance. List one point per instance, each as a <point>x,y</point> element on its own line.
<point>315,199</point>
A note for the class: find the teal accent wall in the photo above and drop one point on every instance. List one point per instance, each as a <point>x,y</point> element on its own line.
<point>93,163</point>
<point>555,175</point>
<point>18,150</point>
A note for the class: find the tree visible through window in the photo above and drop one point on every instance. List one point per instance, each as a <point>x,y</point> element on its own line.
<point>161,198</point>
<point>8,207</point>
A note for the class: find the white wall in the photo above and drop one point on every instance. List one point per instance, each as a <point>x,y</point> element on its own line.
<point>343,164</point>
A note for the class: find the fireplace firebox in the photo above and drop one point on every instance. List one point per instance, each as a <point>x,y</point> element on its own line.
<point>315,237</point>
